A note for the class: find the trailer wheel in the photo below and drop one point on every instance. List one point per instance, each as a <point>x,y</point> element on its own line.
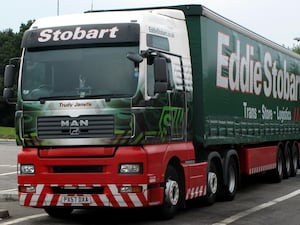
<point>232,180</point>
<point>294,160</point>
<point>277,174</point>
<point>173,192</point>
<point>58,212</point>
<point>287,161</point>
<point>213,184</point>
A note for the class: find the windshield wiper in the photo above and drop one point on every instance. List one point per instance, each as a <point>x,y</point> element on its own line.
<point>107,97</point>
<point>44,99</point>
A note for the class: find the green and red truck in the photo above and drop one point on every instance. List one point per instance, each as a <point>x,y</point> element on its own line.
<point>150,108</point>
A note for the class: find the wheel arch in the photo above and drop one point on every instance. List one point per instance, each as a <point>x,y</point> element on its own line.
<point>175,162</point>
<point>280,146</point>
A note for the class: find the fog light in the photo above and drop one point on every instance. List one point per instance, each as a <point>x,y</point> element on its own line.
<point>130,189</point>
<point>27,189</point>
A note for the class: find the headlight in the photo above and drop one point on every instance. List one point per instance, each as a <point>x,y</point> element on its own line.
<point>131,168</point>
<point>26,169</point>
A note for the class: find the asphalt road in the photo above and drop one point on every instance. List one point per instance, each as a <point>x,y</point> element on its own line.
<point>257,202</point>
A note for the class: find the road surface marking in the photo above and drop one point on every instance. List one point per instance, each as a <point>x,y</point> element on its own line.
<point>8,165</point>
<point>226,221</point>
<point>24,219</point>
<point>6,174</point>
<point>247,212</point>
<point>8,190</point>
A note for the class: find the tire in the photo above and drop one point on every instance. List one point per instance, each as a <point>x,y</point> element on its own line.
<point>58,212</point>
<point>287,161</point>
<point>276,175</point>
<point>232,177</point>
<point>173,194</point>
<point>294,160</point>
<point>213,184</point>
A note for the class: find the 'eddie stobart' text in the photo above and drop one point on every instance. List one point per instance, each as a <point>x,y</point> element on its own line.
<point>254,76</point>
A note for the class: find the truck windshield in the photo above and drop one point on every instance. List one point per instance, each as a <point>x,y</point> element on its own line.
<point>99,72</point>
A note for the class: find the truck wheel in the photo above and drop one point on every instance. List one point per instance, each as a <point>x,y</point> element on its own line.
<point>276,175</point>
<point>212,184</point>
<point>287,161</point>
<point>294,160</point>
<point>173,193</point>
<point>232,177</point>
<point>58,212</point>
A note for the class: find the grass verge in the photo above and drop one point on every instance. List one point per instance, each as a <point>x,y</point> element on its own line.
<point>7,133</point>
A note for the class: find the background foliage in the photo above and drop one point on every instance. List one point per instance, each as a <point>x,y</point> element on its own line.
<point>10,43</point>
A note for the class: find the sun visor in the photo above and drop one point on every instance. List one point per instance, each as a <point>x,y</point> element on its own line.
<point>81,35</point>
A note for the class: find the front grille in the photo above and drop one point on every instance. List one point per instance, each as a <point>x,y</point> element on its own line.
<point>78,190</point>
<point>78,169</point>
<point>96,126</point>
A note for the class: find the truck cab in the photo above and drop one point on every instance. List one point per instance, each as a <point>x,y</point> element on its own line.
<point>102,78</point>
<point>103,101</point>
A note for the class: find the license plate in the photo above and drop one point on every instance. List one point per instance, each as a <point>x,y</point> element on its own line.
<point>76,199</point>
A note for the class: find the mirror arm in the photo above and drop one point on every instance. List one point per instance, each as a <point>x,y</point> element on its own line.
<point>17,59</point>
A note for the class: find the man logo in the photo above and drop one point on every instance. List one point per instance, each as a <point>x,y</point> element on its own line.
<point>74,125</point>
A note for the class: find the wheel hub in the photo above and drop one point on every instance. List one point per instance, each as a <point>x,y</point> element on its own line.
<point>172,192</point>
<point>232,179</point>
<point>212,182</point>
